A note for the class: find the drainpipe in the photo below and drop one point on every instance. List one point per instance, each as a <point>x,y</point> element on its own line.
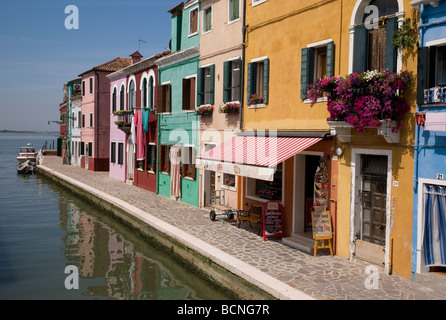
<point>96,120</point>
<point>242,99</point>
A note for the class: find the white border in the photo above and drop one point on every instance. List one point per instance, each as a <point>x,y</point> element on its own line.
<point>420,217</point>
<point>436,42</point>
<point>229,21</point>
<point>354,197</point>
<point>256,3</point>
<point>198,23</point>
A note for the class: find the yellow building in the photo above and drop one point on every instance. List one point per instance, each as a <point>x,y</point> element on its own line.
<point>288,45</point>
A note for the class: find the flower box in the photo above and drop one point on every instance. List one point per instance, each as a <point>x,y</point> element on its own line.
<point>364,100</point>
<point>255,99</point>
<point>205,109</point>
<point>230,107</point>
<point>387,129</point>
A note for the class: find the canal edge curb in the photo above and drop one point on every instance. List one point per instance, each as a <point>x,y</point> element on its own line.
<point>260,279</point>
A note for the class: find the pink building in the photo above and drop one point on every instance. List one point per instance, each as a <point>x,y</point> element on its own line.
<point>95,133</point>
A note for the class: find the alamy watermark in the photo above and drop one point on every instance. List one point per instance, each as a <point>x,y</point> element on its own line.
<point>372,280</point>
<point>72,20</point>
<point>72,280</point>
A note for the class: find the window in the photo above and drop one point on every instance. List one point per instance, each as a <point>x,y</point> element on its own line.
<point>113,152</point>
<point>258,80</point>
<point>83,87</point>
<point>372,46</point>
<point>164,163</point>
<point>144,93</point>
<point>207,19</point>
<point>121,98</point>
<point>82,148</point>
<point>317,62</point>
<point>234,9</point>
<point>91,85</point>
<point>79,119</point>
<point>431,74</point>
<point>91,120</point>
<point>151,93</point>
<point>83,120</point>
<point>206,84</point>
<point>188,162</point>
<point>256,2</point>
<point>114,100</point>
<point>193,21</point>
<point>163,94</point>
<point>120,153</point>
<point>269,190</point>
<point>90,149</point>
<point>132,96</point>
<point>231,80</point>
<point>151,157</point>
<point>189,93</point>
<point>228,180</point>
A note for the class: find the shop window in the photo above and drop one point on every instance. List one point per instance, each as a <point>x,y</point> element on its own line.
<point>231,80</point>
<point>269,190</point>
<point>188,162</point>
<point>163,94</point>
<point>206,84</point>
<point>189,93</point>
<point>113,152</point>
<point>317,62</point>
<point>164,162</point>
<point>151,157</point>
<point>258,81</point>
<point>228,180</point>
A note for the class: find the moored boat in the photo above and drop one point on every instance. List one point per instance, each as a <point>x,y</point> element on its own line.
<point>27,153</point>
<point>26,167</point>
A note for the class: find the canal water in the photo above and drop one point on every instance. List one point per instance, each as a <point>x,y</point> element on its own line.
<point>45,228</point>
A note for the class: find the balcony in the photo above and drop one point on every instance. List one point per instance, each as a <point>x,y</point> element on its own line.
<point>123,120</point>
<point>364,100</point>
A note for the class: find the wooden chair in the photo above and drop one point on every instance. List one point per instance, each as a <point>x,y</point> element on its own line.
<point>253,216</point>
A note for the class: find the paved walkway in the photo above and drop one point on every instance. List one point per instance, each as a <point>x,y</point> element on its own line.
<point>321,277</point>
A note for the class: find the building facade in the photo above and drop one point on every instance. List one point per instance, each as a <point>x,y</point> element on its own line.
<point>429,205</point>
<point>95,132</point>
<point>178,122</point>
<point>220,92</point>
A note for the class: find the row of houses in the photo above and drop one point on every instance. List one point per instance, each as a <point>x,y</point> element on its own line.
<point>330,103</point>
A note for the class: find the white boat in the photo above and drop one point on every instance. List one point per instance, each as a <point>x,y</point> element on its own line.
<point>26,167</point>
<point>27,153</point>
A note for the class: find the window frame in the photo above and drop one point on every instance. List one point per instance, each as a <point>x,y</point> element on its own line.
<point>226,186</point>
<point>191,32</point>
<point>132,94</point>
<point>163,159</point>
<point>91,85</point>
<point>202,94</point>
<point>230,11</point>
<point>252,75</point>
<point>114,98</point>
<point>151,157</point>
<point>204,19</point>
<point>228,80</point>
<point>120,153</point>
<point>257,2</point>
<point>189,93</point>
<point>113,152</point>
<point>164,98</point>
<point>189,163</point>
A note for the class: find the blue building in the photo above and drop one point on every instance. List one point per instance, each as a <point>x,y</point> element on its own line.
<point>429,210</point>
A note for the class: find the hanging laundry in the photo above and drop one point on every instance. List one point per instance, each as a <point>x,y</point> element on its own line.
<point>133,130</point>
<point>435,121</point>
<point>145,119</point>
<point>139,136</point>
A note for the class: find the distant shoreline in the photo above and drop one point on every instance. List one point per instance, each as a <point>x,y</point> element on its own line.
<point>29,132</point>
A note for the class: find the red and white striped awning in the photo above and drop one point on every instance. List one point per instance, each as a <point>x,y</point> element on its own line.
<point>236,155</point>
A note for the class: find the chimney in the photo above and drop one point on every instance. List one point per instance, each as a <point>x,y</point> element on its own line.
<point>136,57</point>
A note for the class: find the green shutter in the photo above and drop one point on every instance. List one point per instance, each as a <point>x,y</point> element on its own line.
<point>265,80</point>
<point>330,59</point>
<point>251,80</point>
<point>227,81</point>
<point>360,49</point>
<point>212,83</point>
<point>391,51</point>
<point>200,86</point>
<point>422,73</point>
<point>307,70</point>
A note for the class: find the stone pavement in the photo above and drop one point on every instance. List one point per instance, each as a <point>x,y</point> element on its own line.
<point>321,277</point>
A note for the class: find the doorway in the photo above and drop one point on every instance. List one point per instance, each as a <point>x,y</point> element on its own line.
<point>371,206</point>
<point>208,179</point>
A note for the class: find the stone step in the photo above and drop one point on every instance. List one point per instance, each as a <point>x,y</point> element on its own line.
<point>300,243</point>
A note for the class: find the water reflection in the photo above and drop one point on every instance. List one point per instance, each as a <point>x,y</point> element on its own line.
<point>128,272</point>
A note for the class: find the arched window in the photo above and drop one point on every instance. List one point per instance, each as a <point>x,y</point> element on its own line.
<point>144,92</point>
<point>132,95</point>
<point>373,49</point>
<point>121,98</point>
<point>114,100</point>
<point>151,102</point>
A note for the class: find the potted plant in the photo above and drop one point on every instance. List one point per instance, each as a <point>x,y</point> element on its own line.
<point>255,99</point>
<point>368,99</point>
<point>205,109</point>
<point>229,182</point>
<point>230,107</point>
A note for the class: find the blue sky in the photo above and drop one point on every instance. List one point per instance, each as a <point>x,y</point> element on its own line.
<point>38,54</point>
